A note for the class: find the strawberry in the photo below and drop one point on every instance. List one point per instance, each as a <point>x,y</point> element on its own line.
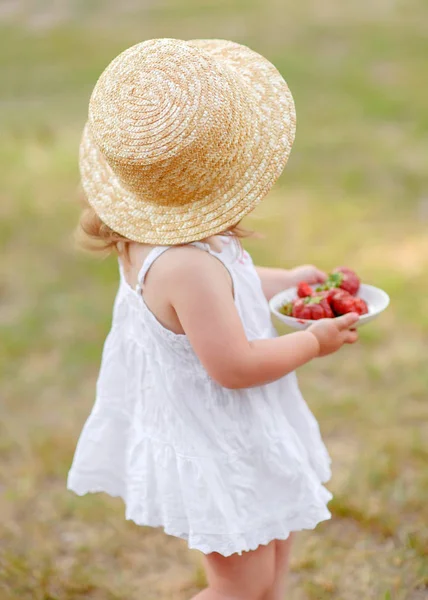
<point>343,302</point>
<point>327,294</point>
<point>339,301</point>
<point>304,290</point>
<point>343,278</point>
<point>360,306</point>
<point>313,308</point>
<point>348,279</point>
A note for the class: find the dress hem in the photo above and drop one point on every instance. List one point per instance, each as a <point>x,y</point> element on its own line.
<point>224,544</point>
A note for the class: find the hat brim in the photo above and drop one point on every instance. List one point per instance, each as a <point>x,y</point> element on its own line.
<point>141,221</point>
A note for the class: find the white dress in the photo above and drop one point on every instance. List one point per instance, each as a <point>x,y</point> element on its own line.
<point>227,470</point>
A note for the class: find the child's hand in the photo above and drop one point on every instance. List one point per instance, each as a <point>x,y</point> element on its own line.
<point>307,273</point>
<point>276,280</point>
<point>331,334</point>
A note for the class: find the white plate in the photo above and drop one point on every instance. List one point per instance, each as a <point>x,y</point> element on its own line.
<point>377,300</point>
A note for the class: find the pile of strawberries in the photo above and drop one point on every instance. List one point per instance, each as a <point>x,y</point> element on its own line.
<point>337,296</point>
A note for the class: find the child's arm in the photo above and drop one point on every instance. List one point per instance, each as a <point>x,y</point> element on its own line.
<point>198,288</point>
<point>276,280</point>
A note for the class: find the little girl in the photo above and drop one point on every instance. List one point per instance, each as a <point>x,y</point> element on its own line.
<point>199,424</point>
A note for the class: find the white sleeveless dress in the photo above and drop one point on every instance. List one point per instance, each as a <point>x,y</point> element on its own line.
<point>227,470</point>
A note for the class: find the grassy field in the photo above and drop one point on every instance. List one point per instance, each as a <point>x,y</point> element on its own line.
<point>355,192</point>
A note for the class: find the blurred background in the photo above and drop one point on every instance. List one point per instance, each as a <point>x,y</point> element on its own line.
<point>354,192</point>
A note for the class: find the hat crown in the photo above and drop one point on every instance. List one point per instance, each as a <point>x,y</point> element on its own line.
<point>137,96</point>
<point>160,101</point>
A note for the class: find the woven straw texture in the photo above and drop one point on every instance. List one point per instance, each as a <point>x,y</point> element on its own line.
<point>184,138</point>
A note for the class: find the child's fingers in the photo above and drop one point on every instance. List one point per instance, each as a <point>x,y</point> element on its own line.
<point>346,321</point>
<point>351,336</point>
<point>320,276</point>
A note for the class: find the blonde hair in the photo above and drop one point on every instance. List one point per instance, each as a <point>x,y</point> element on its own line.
<point>94,235</point>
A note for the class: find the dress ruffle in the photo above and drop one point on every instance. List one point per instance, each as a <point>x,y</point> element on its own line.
<point>213,510</point>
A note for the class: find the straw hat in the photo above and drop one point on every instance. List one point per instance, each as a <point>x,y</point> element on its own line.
<point>184,138</point>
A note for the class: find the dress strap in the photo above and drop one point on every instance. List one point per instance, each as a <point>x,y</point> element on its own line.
<point>147,263</point>
<point>153,255</point>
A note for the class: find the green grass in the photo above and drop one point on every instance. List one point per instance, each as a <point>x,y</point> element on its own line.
<point>353,193</point>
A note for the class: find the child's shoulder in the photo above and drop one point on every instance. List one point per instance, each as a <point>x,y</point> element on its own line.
<point>182,281</point>
<point>190,266</point>
<point>187,265</point>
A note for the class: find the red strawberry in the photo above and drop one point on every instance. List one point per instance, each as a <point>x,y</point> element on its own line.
<point>304,290</point>
<point>360,306</point>
<point>339,300</point>
<point>343,302</point>
<point>327,294</point>
<point>343,278</point>
<point>348,279</point>
<point>301,310</point>
<point>313,308</point>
